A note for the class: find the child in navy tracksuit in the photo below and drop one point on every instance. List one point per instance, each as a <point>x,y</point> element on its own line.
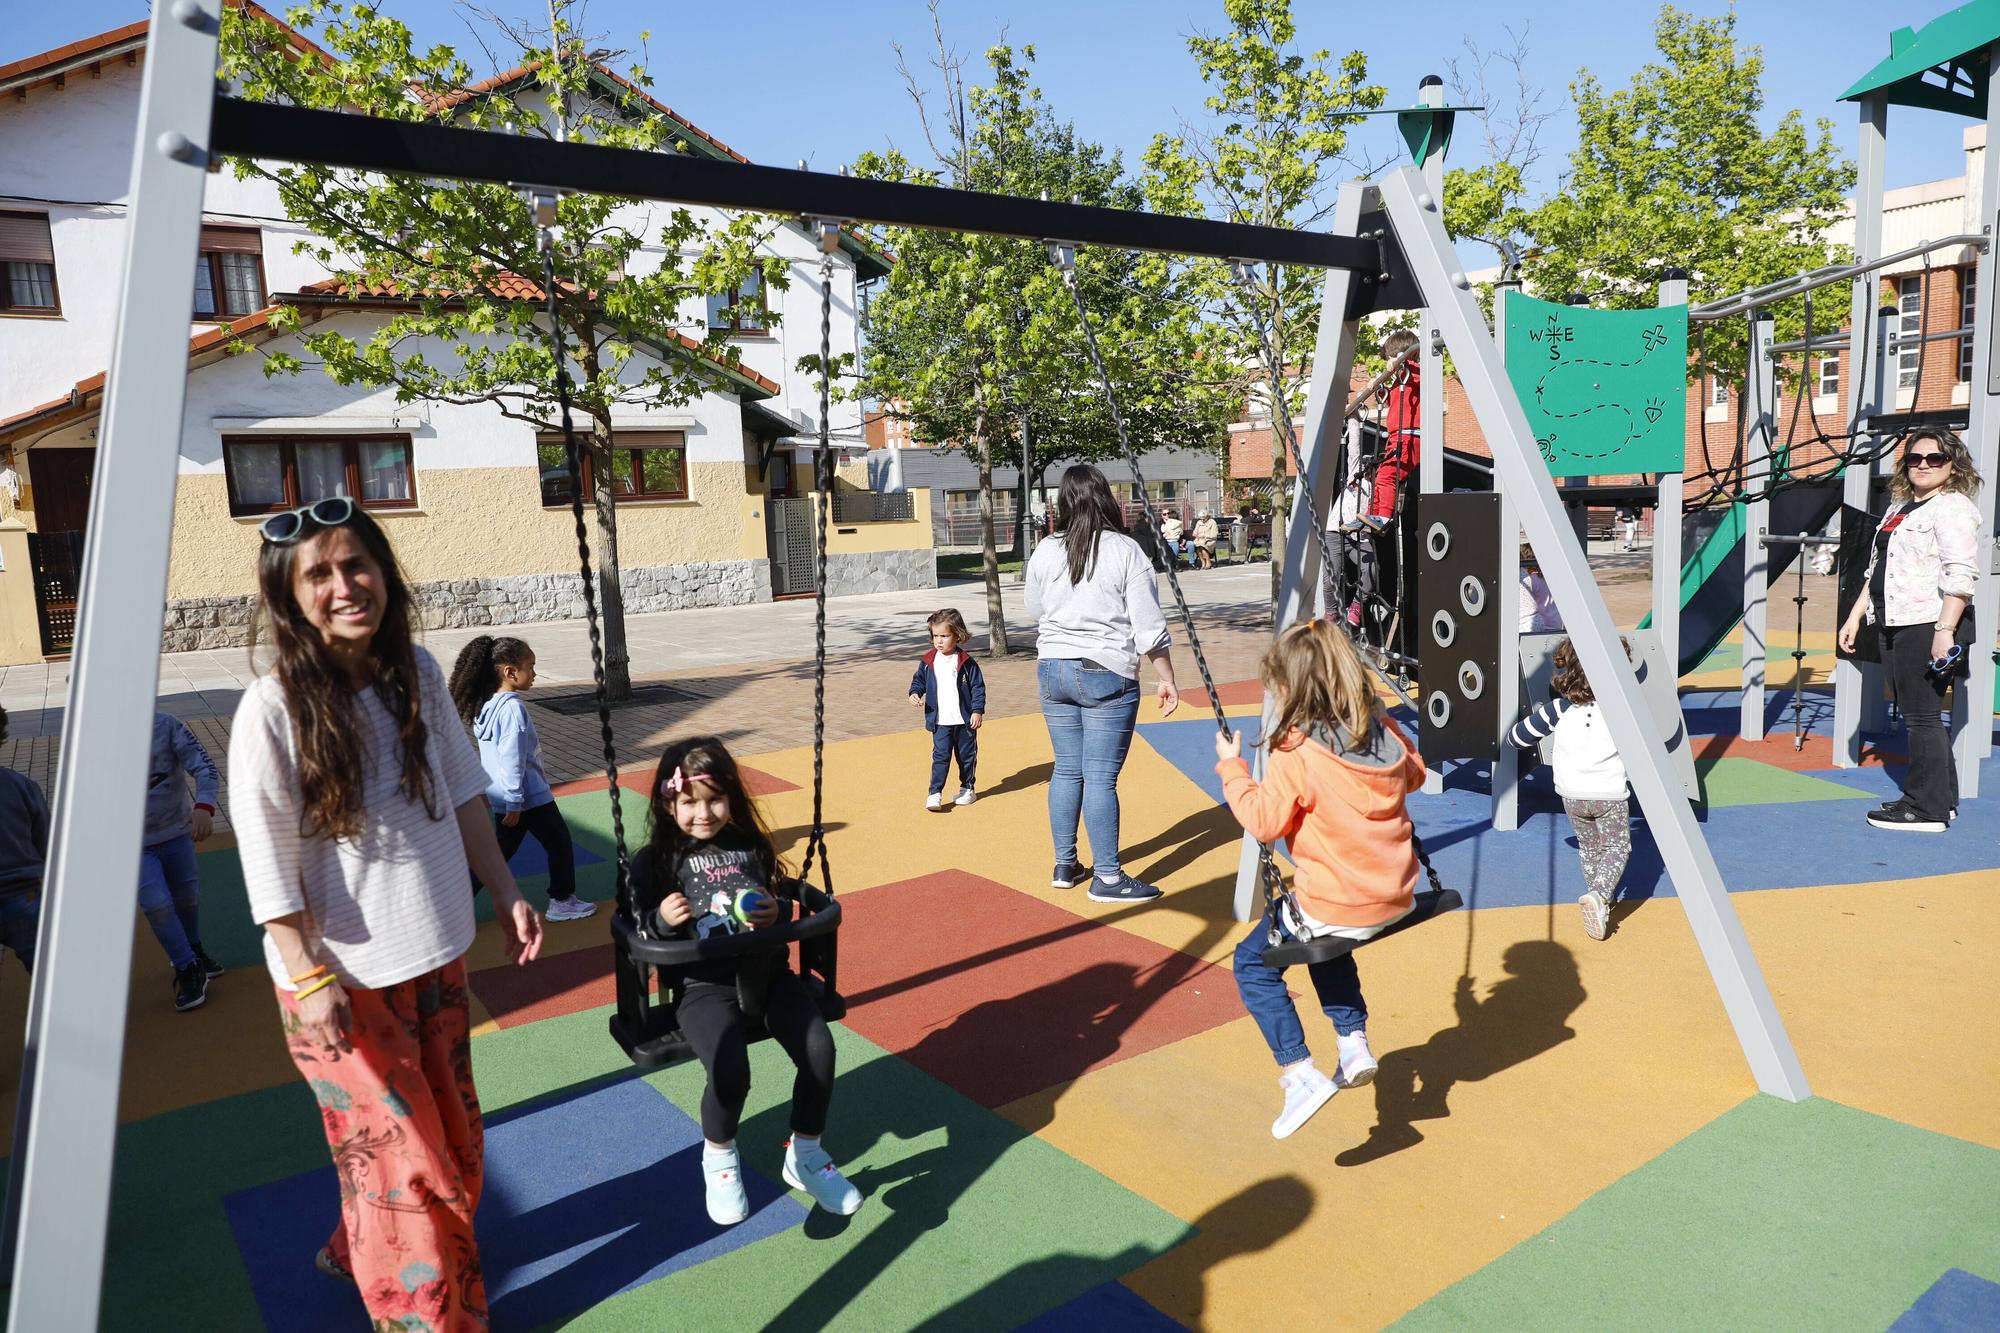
<point>949,688</point>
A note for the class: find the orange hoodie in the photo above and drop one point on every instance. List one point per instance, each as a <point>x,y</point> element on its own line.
<point>1345,823</point>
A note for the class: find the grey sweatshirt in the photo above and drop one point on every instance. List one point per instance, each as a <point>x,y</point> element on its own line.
<point>1113,617</point>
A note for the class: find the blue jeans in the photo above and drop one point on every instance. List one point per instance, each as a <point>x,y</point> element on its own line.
<point>1337,982</point>
<point>959,740</point>
<point>1090,714</point>
<point>170,896</point>
<point>20,918</point>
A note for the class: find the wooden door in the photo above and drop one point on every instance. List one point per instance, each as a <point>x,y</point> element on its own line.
<point>61,481</point>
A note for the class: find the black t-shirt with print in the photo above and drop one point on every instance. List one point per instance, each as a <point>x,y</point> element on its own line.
<point>727,863</point>
<point>1878,582</point>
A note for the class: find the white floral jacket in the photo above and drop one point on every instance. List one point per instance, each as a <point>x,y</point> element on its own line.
<point>1934,553</point>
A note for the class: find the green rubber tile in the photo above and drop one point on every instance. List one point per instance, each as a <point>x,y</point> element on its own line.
<point>969,1222</point>
<point>1773,1216</point>
<point>1731,655</point>
<point>1739,781</point>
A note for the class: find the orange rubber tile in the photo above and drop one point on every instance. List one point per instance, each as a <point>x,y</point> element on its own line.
<point>1776,750</point>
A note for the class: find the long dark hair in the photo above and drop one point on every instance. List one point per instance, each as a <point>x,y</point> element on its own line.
<point>320,695</point>
<point>704,756</point>
<point>475,677</point>
<point>1084,512</point>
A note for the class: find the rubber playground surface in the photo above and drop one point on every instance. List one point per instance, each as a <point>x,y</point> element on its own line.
<point>1060,1114</point>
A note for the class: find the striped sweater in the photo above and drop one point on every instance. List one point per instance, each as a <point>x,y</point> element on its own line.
<point>1586,763</point>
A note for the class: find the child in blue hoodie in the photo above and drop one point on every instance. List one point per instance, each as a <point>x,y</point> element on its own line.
<point>169,882</point>
<point>486,684</point>
<point>951,690</point>
<point>24,847</point>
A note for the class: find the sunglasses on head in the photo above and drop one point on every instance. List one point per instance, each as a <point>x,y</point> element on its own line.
<point>291,525</point>
<point>1926,460</point>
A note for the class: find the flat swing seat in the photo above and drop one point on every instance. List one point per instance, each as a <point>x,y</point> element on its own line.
<point>1298,953</point>
<point>646,1025</point>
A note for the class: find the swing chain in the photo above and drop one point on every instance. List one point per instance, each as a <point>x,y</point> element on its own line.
<point>542,205</point>
<point>829,242</point>
<point>1063,256</point>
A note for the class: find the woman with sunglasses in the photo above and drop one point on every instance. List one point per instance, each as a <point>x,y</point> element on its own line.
<point>359,808</point>
<point>1921,570</point>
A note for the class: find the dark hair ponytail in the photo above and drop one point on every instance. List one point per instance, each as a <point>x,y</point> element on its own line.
<point>475,677</point>
<point>1084,512</point>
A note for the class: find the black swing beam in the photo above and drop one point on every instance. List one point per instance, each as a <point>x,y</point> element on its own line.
<point>425,148</point>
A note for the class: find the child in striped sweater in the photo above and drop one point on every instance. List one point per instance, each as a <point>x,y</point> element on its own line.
<point>1590,778</point>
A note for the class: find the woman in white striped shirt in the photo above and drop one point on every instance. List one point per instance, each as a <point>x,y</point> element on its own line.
<point>359,809</point>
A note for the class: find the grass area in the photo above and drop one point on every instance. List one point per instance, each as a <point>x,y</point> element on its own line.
<point>972,565</point>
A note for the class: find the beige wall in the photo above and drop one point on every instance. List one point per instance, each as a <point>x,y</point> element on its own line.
<point>481,523</point>
<point>20,623</point>
<point>859,538</point>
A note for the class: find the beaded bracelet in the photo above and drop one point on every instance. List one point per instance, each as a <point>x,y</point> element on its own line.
<point>321,984</point>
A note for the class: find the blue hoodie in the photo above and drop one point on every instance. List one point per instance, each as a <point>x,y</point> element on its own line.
<point>24,831</point>
<point>971,687</point>
<point>176,756</point>
<point>511,753</point>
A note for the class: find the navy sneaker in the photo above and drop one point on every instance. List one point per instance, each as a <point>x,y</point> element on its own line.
<point>190,987</point>
<point>209,966</point>
<point>1068,875</point>
<point>1124,889</point>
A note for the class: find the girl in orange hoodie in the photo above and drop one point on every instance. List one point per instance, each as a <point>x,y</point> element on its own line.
<point>1333,788</point>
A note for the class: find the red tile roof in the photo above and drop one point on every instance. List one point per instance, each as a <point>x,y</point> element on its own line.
<point>32,71</point>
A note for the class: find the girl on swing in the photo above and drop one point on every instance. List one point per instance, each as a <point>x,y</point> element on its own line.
<point>1334,789</point>
<point>709,852</point>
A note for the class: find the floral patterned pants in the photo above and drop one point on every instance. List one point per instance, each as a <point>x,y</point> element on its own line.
<point>402,1120</point>
<point>1604,837</point>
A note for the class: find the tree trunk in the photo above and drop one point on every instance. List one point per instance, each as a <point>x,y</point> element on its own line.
<point>996,619</point>
<point>610,594</point>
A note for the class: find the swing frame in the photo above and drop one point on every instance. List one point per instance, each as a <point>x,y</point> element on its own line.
<point>1387,250</point>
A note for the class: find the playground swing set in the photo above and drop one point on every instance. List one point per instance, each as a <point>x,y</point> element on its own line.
<point>1387,250</point>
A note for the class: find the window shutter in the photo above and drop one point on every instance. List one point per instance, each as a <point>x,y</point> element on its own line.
<point>231,240</point>
<point>24,238</point>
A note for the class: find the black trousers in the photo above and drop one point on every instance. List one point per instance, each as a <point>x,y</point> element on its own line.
<point>1931,784</point>
<point>712,1021</point>
<point>546,823</point>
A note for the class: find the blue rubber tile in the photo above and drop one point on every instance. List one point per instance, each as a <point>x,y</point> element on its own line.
<point>1958,1302</point>
<point>586,1196</point>
<point>1113,1307</point>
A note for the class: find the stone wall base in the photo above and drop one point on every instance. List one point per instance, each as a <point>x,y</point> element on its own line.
<point>223,622</point>
<point>880,571</point>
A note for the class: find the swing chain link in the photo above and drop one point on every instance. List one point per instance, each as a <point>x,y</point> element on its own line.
<point>823,479</point>
<point>574,460</point>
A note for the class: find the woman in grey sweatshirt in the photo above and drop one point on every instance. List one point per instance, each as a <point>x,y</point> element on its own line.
<point>1092,592</point>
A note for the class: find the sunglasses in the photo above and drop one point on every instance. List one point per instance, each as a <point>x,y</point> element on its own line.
<point>1926,460</point>
<point>289,526</point>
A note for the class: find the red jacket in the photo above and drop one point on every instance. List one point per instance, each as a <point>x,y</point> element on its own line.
<point>1403,418</point>
<point>1345,823</point>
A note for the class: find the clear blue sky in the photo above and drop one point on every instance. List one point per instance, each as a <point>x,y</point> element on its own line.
<point>782,80</point>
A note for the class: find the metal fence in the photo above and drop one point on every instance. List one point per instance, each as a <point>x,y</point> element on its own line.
<point>856,506</point>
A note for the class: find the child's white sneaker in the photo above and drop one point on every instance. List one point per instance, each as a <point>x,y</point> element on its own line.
<point>1357,1062</point>
<point>1306,1090</point>
<point>935,801</point>
<point>966,796</point>
<point>1596,910</point>
<point>808,1168</point>
<point>722,1171</point>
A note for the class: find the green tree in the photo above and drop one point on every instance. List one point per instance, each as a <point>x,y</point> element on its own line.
<point>974,339</point>
<point>1673,170</point>
<point>1270,152</point>
<point>464,327</point>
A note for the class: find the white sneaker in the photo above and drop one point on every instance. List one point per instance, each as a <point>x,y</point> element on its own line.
<point>1596,911</point>
<point>722,1172</point>
<point>1357,1062</point>
<point>1306,1090</point>
<point>966,796</point>
<point>935,801</point>
<point>570,909</point>
<point>808,1168</point>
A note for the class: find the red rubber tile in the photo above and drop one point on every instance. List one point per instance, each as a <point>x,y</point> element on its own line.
<point>549,987</point>
<point>640,780</point>
<point>1776,750</point>
<point>1000,994</point>
<point>1233,693</point>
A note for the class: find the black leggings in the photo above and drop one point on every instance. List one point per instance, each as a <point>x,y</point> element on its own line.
<point>546,823</point>
<point>713,1023</point>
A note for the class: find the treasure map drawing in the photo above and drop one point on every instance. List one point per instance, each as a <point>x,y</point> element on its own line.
<point>1605,391</point>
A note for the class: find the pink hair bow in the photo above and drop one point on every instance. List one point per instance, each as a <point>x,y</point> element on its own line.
<point>681,781</point>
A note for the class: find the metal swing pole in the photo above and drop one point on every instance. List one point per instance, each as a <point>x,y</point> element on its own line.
<point>66,1125</point>
<point>1761,420</point>
<point>1419,229</point>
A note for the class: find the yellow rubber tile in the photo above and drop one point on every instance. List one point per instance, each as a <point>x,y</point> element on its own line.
<point>1889,992</point>
<point>1583,1063</point>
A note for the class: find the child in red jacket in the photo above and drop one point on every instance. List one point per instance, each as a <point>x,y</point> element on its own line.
<point>1334,789</point>
<point>1403,448</point>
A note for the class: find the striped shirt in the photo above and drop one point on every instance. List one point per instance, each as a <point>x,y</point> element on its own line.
<point>395,902</point>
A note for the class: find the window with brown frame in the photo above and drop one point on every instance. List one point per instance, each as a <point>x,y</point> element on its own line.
<point>650,466</point>
<point>742,308</point>
<point>269,473</point>
<point>229,280</point>
<point>27,266</point>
